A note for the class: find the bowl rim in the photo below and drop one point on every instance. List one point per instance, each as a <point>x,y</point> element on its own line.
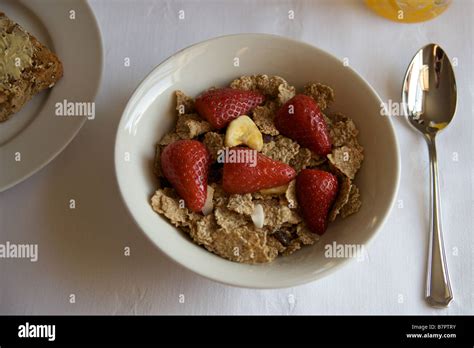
<point>242,283</point>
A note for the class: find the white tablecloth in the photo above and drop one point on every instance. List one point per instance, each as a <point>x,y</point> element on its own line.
<point>81,251</point>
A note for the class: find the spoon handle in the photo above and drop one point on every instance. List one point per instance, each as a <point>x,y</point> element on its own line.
<point>438,287</point>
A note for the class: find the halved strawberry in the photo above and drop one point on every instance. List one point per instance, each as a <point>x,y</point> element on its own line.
<point>185,163</point>
<point>250,177</point>
<point>222,105</point>
<point>316,191</point>
<point>301,120</point>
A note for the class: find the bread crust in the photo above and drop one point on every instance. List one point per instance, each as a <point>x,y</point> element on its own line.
<point>46,69</point>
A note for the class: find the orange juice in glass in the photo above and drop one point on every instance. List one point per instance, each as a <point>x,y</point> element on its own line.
<point>409,11</point>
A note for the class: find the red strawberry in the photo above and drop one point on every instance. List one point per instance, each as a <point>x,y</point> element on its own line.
<point>301,120</point>
<point>316,191</point>
<point>250,177</point>
<point>185,163</point>
<point>220,106</point>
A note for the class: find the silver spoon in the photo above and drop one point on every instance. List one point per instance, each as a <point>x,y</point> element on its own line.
<point>429,99</point>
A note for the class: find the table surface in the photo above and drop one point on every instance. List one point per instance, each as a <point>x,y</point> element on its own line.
<point>81,251</point>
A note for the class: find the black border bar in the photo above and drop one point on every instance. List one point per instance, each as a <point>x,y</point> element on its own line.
<point>222,330</point>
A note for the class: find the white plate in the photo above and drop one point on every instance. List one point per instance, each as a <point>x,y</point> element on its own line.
<point>35,135</point>
<point>150,113</point>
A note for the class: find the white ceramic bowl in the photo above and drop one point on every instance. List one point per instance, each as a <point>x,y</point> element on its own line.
<point>150,114</point>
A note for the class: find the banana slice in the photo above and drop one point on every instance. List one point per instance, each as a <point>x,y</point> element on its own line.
<point>277,190</point>
<point>244,131</point>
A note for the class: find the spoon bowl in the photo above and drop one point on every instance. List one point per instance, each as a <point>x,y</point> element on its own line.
<point>429,91</point>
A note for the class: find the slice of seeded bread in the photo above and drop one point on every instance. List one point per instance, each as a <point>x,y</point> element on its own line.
<point>43,72</point>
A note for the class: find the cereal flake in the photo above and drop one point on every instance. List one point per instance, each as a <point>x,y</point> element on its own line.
<point>341,199</point>
<point>245,83</point>
<point>268,85</point>
<point>277,213</point>
<point>322,94</point>
<point>353,204</point>
<point>244,244</point>
<point>203,230</point>
<point>347,159</point>
<point>282,149</point>
<point>228,219</point>
<point>295,245</point>
<point>241,204</point>
<point>306,158</point>
<point>285,93</point>
<point>184,104</point>
<point>214,142</point>
<point>166,202</point>
<point>263,118</point>
<point>343,133</point>
<point>290,195</point>
<point>169,138</point>
<point>305,236</point>
<point>191,125</point>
